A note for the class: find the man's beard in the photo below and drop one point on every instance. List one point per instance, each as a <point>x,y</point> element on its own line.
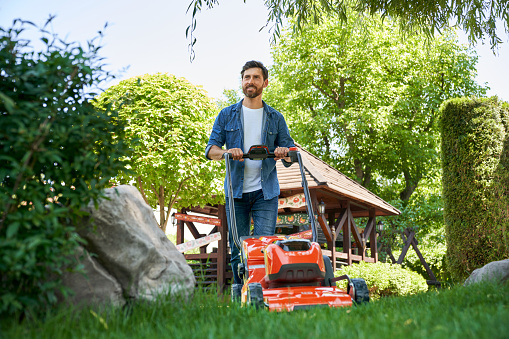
<point>254,94</point>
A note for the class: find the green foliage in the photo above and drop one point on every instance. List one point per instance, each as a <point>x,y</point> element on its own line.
<point>57,154</point>
<point>475,162</point>
<point>384,279</point>
<point>230,96</point>
<point>477,311</point>
<point>167,123</point>
<point>433,248</point>
<point>423,214</point>
<point>365,99</point>
<point>478,19</point>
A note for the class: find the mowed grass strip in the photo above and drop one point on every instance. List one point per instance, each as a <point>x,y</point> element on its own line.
<point>479,311</point>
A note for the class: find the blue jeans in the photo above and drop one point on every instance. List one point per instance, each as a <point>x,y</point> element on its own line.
<point>264,214</point>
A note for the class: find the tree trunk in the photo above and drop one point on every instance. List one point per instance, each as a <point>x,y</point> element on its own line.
<point>367,177</point>
<point>410,186</point>
<point>359,171</point>
<point>162,215</point>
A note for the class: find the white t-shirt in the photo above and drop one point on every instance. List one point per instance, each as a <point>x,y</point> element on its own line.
<point>252,136</point>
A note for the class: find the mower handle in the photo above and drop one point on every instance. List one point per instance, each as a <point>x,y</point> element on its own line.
<point>260,152</point>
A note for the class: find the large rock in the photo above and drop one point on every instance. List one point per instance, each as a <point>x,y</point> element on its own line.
<point>123,234</point>
<point>496,270</point>
<point>97,287</point>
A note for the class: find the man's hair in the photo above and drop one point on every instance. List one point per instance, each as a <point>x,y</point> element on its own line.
<point>254,64</point>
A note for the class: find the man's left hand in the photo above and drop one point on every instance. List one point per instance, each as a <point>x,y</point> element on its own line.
<point>281,153</point>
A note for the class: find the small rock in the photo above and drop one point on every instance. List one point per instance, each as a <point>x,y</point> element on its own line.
<point>496,270</point>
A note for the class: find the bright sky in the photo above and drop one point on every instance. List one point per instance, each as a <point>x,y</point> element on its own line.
<point>149,37</point>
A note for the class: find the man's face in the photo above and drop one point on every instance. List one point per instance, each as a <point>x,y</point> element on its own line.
<point>253,83</point>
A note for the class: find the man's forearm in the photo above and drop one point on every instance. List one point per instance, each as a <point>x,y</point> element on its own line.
<point>216,153</point>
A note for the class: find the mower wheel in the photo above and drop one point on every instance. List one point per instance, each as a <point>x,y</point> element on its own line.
<point>236,292</point>
<point>255,295</point>
<point>329,274</point>
<point>361,292</point>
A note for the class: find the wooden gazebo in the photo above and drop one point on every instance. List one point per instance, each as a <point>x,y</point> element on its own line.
<point>342,201</point>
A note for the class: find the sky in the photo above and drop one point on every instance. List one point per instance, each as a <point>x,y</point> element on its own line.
<point>149,37</point>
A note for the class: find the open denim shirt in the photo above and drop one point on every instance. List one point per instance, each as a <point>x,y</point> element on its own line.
<point>228,129</point>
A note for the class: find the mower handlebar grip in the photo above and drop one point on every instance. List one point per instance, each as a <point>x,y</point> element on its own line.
<point>260,152</point>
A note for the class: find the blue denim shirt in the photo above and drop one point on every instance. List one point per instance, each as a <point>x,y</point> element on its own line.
<point>228,129</point>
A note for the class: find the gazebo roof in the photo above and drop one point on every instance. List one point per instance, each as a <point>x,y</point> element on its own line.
<point>331,186</point>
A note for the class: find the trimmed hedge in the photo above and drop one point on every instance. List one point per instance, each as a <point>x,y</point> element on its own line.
<point>475,162</point>
<point>384,279</point>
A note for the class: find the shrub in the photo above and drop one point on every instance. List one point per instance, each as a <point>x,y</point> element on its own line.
<point>384,279</point>
<point>475,162</point>
<point>57,154</point>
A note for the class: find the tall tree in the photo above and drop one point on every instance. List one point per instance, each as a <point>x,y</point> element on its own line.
<point>478,18</point>
<point>365,98</point>
<point>167,123</point>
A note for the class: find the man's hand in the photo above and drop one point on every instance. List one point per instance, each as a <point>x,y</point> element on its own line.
<point>217,153</point>
<point>236,153</point>
<point>282,153</point>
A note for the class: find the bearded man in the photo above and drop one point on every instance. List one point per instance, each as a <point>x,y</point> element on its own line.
<point>255,185</point>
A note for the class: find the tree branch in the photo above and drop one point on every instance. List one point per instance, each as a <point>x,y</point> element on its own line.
<point>142,191</point>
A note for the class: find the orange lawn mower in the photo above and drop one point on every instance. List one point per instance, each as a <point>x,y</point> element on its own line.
<point>286,273</point>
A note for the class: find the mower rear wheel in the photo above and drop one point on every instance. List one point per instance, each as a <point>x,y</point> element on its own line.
<point>236,292</point>
<point>329,273</point>
<point>255,295</point>
<point>361,292</point>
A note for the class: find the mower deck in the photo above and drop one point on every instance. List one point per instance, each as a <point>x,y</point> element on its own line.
<point>286,273</point>
<point>285,279</point>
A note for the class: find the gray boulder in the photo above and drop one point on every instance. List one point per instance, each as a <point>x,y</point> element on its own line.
<point>96,288</point>
<point>127,243</point>
<point>496,270</point>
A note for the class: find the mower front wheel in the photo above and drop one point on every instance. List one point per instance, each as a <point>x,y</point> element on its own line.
<point>360,293</point>
<point>255,295</point>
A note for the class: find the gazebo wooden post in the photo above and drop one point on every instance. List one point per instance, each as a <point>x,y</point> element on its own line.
<point>180,230</point>
<point>331,217</point>
<point>372,234</point>
<point>347,241</point>
<point>222,249</point>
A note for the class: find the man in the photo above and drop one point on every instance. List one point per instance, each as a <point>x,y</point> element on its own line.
<point>255,185</point>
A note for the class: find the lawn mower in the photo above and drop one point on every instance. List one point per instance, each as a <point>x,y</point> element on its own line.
<point>286,273</point>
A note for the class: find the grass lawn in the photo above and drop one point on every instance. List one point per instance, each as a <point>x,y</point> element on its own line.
<point>480,311</point>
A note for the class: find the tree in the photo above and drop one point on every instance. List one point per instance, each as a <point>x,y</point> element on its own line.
<point>57,154</point>
<point>365,99</point>
<point>477,18</point>
<point>167,124</point>
<point>230,97</point>
<point>475,159</point>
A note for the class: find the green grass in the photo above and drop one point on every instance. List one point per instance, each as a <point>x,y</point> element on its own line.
<point>480,311</point>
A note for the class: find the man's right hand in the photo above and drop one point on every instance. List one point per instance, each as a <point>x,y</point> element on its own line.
<point>217,153</point>
<point>236,153</point>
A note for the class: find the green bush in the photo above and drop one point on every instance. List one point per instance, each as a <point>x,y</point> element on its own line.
<point>475,162</point>
<point>384,279</point>
<point>57,154</point>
